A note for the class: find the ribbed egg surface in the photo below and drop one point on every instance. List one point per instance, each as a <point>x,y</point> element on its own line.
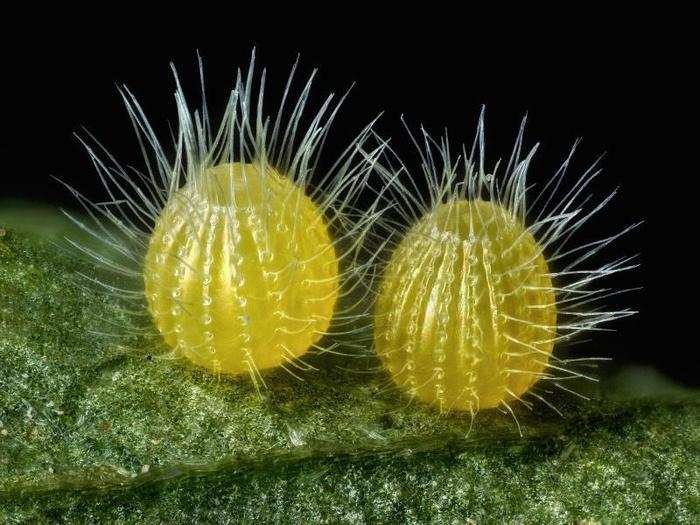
<point>466,316</point>
<point>241,273</point>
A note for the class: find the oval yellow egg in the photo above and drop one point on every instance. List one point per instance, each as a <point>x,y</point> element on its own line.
<point>241,273</point>
<point>466,316</point>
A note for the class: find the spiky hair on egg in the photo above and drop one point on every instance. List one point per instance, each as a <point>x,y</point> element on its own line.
<point>480,280</point>
<point>201,209</point>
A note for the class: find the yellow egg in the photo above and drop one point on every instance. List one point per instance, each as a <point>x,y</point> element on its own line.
<point>466,315</point>
<point>241,273</point>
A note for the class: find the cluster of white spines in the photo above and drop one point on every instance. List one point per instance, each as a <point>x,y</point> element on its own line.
<point>552,218</point>
<point>289,144</point>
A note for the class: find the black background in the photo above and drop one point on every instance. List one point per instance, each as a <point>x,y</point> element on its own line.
<point>616,88</point>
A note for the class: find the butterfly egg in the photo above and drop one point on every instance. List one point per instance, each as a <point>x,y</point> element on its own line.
<point>241,270</point>
<point>461,287</point>
<point>242,251</point>
<point>482,285</point>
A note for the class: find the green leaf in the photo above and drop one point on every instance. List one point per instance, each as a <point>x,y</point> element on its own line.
<point>95,428</point>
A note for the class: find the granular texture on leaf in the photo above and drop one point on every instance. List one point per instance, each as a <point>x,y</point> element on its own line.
<point>95,430</point>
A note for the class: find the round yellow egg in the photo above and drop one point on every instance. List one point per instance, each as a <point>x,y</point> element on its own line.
<point>241,273</point>
<point>466,317</point>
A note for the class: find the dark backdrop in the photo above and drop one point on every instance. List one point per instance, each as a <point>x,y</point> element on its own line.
<point>599,83</point>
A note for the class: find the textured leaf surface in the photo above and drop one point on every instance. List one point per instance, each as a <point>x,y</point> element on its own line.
<point>100,428</point>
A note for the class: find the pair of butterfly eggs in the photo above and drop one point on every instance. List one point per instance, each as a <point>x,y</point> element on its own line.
<point>242,274</point>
